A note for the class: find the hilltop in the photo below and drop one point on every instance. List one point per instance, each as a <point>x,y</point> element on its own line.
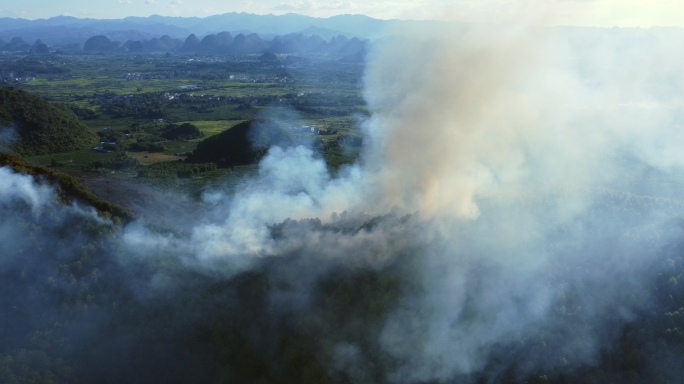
<point>222,43</point>
<point>63,30</point>
<point>68,188</point>
<point>33,126</point>
<point>245,143</point>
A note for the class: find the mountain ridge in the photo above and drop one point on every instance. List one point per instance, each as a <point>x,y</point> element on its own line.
<point>52,30</point>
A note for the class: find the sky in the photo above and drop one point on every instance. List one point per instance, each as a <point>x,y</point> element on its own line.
<point>600,13</point>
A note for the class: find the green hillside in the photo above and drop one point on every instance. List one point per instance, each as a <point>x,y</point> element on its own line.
<point>245,143</point>
<point>41,126</point>
<point>69,189</point>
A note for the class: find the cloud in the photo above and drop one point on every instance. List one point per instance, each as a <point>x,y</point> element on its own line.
<point>290,7</point>
<point>173,6</point>
<point>313,7</point>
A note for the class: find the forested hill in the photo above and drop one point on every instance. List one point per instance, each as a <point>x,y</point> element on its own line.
<point>68,188</point>
<point>31,125</point>
<point>245,143</point>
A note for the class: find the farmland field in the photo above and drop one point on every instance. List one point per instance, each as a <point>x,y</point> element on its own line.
<point>130,100</point>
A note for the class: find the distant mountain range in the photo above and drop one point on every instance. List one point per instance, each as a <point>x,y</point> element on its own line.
<point>243,33</point>
<point>63,30</point>
<point>222,43</point>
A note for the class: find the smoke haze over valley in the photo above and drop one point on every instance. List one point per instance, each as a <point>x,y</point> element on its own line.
<point>515,215</point>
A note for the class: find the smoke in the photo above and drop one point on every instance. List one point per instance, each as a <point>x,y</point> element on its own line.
<point>8,136</point>
<point>511,144</point>
<point>508,181</point>
<point>21,189</point>
<point>515,214</point>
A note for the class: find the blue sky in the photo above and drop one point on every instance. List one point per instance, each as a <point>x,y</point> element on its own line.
<point>604,13</point>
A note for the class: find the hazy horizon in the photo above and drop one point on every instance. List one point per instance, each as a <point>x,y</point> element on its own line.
<point>595,13</point>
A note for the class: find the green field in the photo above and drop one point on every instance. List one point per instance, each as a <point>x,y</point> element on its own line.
<point>75,159</point>
<point>129,100</point>
<point>213,127</point>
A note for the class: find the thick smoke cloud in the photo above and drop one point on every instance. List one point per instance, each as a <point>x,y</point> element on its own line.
<point>513,215</point>
<point>502,139</point>
<point>518,154</point>
<point>527,162</point>
<point>471,114</point>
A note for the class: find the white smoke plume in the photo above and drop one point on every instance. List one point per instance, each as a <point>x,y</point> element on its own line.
<point>531,164</point>
<point>501,139</point>
<point>514,210</point>
<point>507,143</point>
<point>8,136</point>
<point>22,189</point>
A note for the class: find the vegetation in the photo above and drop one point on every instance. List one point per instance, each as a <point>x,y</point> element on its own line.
<point>185,131</point>
<point>42,127</point>
<point>245,143</point>
<point>136,105</point>
<point>69,188</point>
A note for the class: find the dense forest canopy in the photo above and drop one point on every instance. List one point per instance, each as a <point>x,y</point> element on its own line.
<point>245,143</point>
<point>40,127</point>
